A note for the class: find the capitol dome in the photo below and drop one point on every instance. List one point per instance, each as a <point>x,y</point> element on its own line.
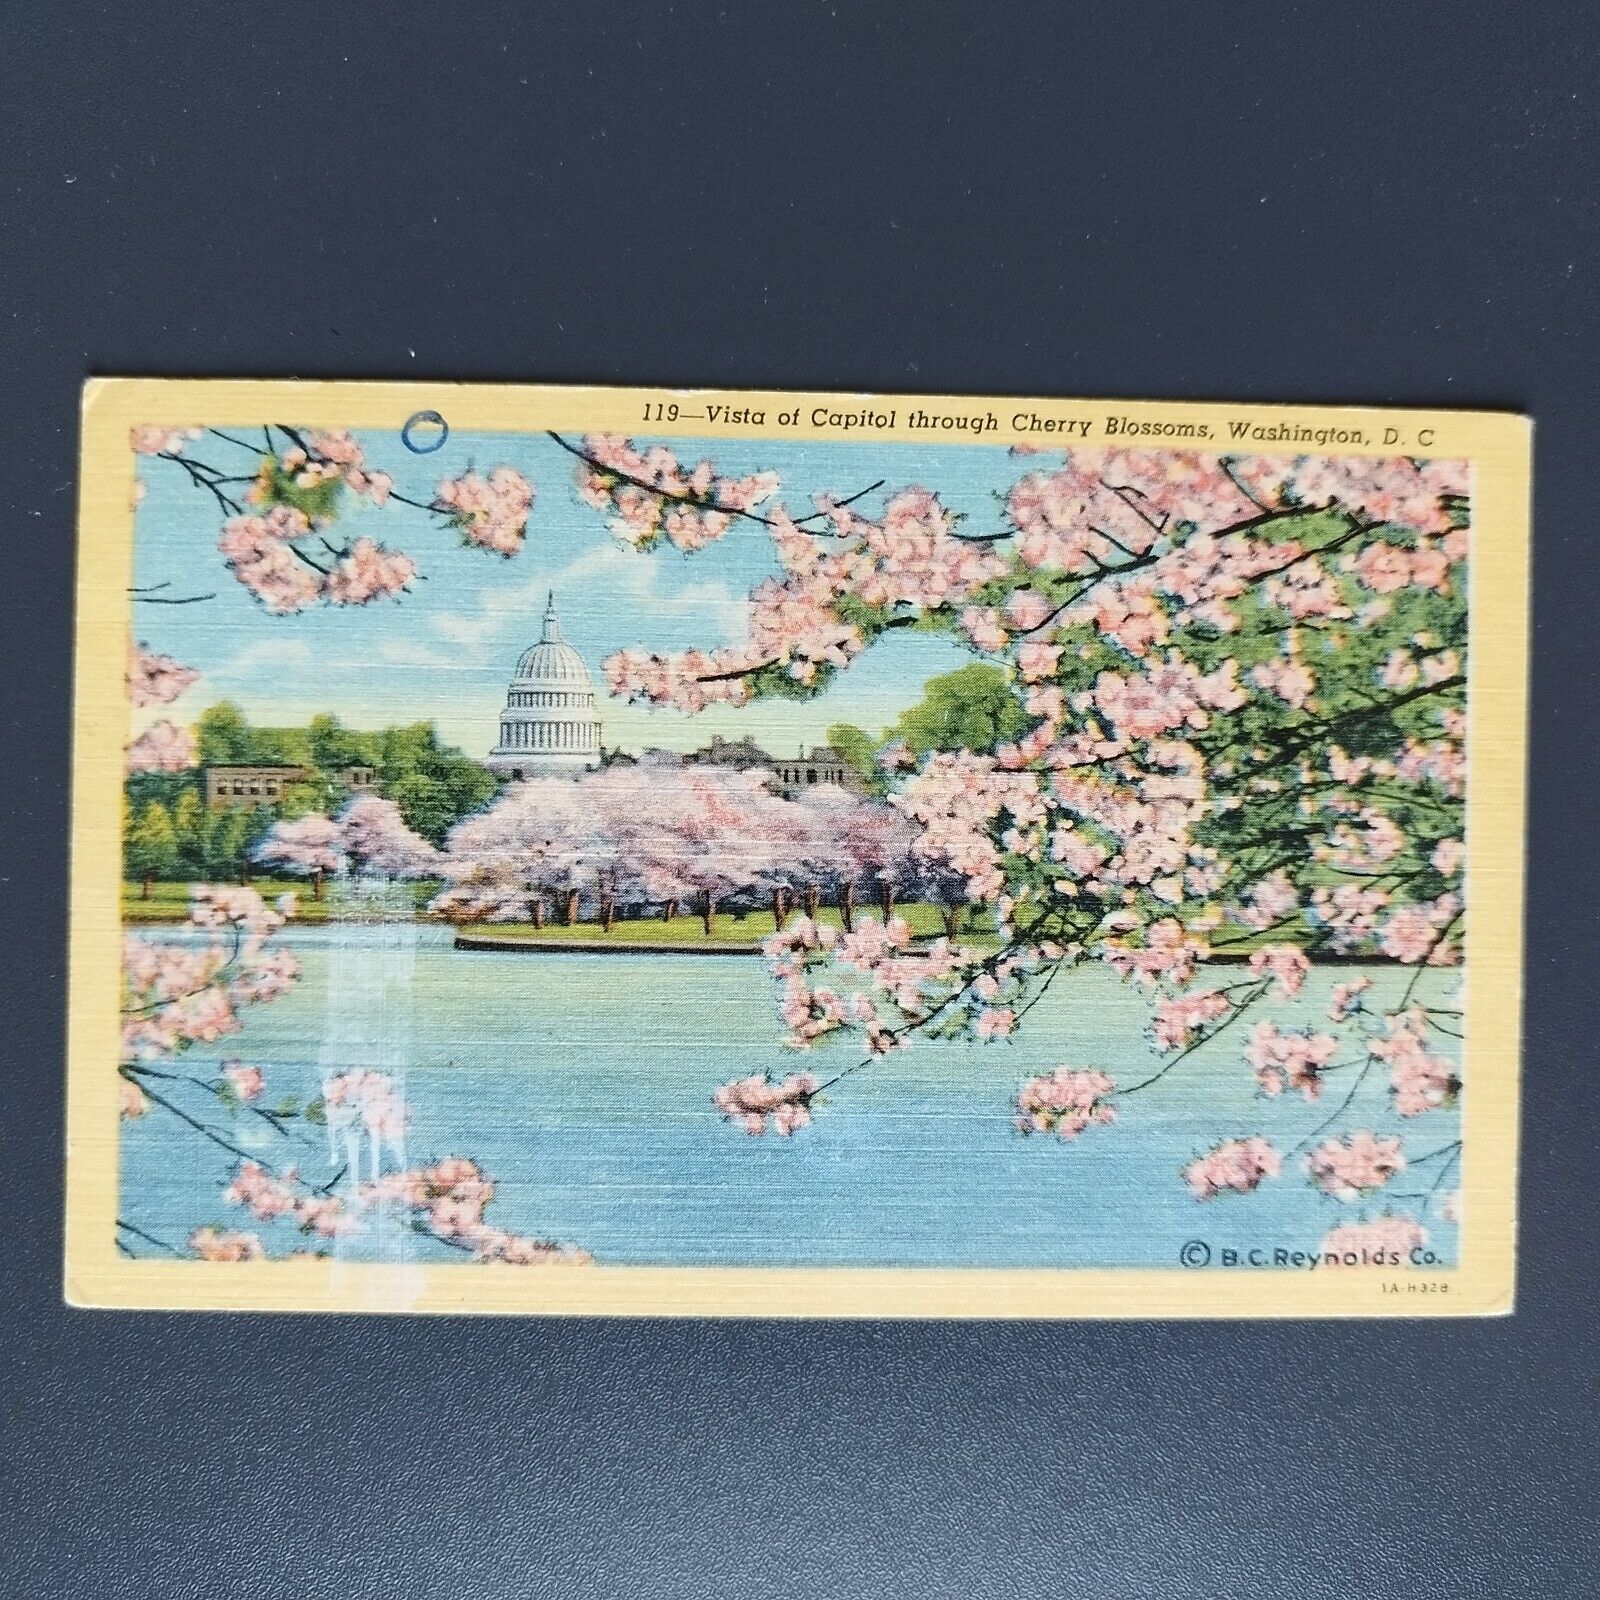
<point>549,727</point>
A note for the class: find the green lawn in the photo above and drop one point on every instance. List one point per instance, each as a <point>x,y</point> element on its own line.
<point>169,902</point>
<point>926,921</point>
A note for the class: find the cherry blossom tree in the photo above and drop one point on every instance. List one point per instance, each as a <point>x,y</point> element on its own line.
<point>369,836</point>
<point>282,495</point>
<point>856,843</point>
<point>1244,687</point>
<point>375,839</point>
<point>660,832</point>
<point>309,845</point>
<point>506,863</point>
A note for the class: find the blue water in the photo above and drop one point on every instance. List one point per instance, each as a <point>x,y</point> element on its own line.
<point>582,1085</point>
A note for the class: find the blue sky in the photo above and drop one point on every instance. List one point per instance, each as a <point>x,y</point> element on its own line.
<point>444,651</point>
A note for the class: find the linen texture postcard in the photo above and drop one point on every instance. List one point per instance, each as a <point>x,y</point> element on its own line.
<point>672,852</point>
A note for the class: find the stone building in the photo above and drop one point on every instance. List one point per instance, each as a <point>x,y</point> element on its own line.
<point>264,785</point>
<point>550,726</point>
<point>790,775</point>
<point>250,786</point>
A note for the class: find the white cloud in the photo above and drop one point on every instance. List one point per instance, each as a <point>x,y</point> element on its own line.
<point>412,653</point>
<point>630,583</point>
<point>245,663</point>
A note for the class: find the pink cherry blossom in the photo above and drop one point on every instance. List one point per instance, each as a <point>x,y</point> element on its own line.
<point>367,571</point>
<point>1178,1019</point>
<point>162,747</point>
<point>261,551</point>
<point>1236,1164</point>
<point>155,680</point>
<point>1352,1167</point>
<point>1285,964</point>
<point>374,837</point>
<point>755,1100</point>
<point>246,1082</point>
<point>155,439</point>
<point>1390,1241</point>
<point>1290,1059</point>
<point>1345,1000</point>
<point>309,844</point>
<point>995,1022</point>
<point>650,493</point>
<point>210,1245</point>
<point>1065,1102</point>
<point>1292,681</point>
<point>489,511</point>
<point>1421,1080</point>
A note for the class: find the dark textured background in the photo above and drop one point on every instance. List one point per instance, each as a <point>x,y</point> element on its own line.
<point>1275,201</point>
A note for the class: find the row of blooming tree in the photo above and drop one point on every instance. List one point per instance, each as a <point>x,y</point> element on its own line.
<point>667,836</point>
<point>1243,688</point>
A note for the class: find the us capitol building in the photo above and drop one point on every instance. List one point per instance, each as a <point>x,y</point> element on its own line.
<point>550,727</point>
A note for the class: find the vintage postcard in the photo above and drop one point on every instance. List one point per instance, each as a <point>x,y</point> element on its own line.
<point>645,852</point>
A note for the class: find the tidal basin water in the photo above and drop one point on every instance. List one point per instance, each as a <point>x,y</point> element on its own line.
<point>582,1084</point>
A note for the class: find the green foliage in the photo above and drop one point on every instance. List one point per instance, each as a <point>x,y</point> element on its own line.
<point>972,708</point>
<point>223,736</point>
<point>229,833</point>
<point>433,785</point>
<point>167,787</point>
<point>317,793</point>
<point>857,747</point>
<point>281,747</point>
<point>332,746</point>
<point>188,827</point>
<point>320,501</point>
<point>423,804</point>
<point>151,844</point>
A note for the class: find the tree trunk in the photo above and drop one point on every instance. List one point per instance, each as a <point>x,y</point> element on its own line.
<point>952,920</point>
<point>708,909</point>
<point>537,909</point>
<point>886,900</point>
<point>149,878</point>
<point>669,910</point>
<point>780,908</point>
<point>847,905</point>
<point>813,900</point>
<point>608,912</point>
<point>316,884</point>
<point>570,915</point>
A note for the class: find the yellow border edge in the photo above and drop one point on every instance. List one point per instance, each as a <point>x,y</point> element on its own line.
<point>1499,446</point>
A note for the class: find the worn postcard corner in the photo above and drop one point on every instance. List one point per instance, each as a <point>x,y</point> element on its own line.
<point>676,852</point>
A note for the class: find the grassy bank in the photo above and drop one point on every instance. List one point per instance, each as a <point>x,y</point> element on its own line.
<point>926,921</point>
<point>169,902</point>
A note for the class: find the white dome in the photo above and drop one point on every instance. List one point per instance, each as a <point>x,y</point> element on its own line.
<point>551,663</point>
<point>550,725</point>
